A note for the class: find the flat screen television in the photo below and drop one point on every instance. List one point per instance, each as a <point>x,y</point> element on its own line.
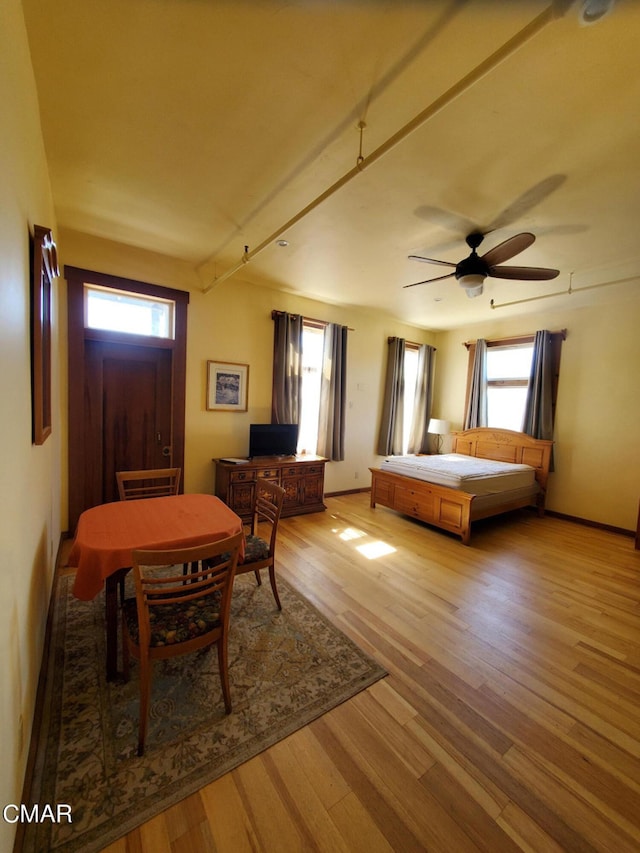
<point>273,439</point>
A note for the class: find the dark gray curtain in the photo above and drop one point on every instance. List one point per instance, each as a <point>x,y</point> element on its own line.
<point>538,409</point>
<point>476,415</point>
<point>418,436</point>
<point>286,395</point>
<point>333,391</point>
<point>391,427</point>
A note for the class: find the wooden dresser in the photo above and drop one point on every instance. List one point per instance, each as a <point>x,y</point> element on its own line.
<point>301,477</point>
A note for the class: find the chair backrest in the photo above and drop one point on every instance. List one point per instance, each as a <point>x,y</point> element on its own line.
<point>267,507</point>
<point>156,589</point>
<point>152,483</point>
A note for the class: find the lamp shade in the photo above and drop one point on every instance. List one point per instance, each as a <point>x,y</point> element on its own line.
<point>439,427</point>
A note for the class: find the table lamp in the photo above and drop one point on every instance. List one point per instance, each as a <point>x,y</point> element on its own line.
<point>439,428</point>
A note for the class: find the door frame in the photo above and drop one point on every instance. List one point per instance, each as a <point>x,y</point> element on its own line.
<point>77,334</point>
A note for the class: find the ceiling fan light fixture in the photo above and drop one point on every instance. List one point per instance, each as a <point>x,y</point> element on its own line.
<point>471,280</point>
<point>472,292</point>
<point>592,11</point>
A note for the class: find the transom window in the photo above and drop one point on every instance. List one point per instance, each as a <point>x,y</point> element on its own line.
<point>132,313</point>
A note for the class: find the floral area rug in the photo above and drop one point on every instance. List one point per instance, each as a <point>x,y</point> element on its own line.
<point>286,669</point>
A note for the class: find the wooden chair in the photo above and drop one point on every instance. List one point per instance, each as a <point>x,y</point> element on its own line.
<point>152,483</point>
<point>169,618</point>
<point>260,553</point>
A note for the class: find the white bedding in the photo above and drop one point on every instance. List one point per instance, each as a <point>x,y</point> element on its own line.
<point>465,473</point>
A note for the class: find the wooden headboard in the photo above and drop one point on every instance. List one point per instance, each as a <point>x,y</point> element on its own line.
<point>506,445</point>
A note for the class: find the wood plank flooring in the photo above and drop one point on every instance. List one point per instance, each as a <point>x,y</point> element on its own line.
<point>510,717</point>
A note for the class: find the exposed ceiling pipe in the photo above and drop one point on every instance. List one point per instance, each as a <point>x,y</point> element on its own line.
<point>570,290</point>
<point>459,88</point>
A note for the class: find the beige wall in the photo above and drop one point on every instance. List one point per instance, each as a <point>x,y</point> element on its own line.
<point>597,452</point>
<point>29,494</point>
<point>233,323</point>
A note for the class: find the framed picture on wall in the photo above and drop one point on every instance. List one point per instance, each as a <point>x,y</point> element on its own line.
<point>44,268</point>
<point>227,386</point>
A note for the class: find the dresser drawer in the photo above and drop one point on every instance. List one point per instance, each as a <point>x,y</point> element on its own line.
<point>269,473</point>
<point>242,476</point>
<point>302,470</point>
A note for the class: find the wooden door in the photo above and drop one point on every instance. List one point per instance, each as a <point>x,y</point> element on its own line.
<point>126,394</point>
<point>127,413</point>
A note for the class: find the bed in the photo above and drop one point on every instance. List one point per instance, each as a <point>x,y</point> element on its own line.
<point>509,471</point>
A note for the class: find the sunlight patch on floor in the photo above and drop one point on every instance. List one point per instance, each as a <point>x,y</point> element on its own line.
<point>371,550</point>
<point>349,533</point>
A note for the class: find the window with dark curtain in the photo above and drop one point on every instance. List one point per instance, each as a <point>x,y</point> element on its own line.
<point>538,388</point>
<point>288,404</point>
<point>394,438</point>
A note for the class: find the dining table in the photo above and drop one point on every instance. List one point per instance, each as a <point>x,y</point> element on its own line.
<point>106,536</point>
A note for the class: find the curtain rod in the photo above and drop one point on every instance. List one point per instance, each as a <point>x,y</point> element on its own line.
<point>410,343</point>
<point>515,338</point>
<point>275,314</point>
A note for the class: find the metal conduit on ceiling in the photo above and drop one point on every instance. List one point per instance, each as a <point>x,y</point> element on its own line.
<point>463,85</point>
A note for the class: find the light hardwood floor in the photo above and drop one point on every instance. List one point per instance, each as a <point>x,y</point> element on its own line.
<point>509,719</point>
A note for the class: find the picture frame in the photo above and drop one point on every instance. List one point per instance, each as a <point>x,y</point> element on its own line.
<point>227,386</point>
<point>44,268</point>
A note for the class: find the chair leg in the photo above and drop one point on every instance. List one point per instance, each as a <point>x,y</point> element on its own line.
<point>272,578</point>
<point>145,695</point>
<point>223,666</point>
<point>258,578</point>
<point>125,653</point>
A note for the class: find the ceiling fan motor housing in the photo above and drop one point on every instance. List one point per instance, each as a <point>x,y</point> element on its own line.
<point>471,266</point>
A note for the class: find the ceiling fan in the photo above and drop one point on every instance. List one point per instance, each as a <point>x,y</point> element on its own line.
<point>472,271</point>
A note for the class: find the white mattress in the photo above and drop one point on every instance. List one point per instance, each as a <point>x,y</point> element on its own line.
<point>465,473</point>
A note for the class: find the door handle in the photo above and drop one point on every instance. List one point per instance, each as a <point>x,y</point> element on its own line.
<point>166,450</point>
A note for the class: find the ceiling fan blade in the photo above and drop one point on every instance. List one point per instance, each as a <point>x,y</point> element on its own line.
<point>431,261</point>
<point>507,249</point>
<point>523,273</point>
<point>429,280</point>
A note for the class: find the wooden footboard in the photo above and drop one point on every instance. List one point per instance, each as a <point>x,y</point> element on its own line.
<point>437,505</point>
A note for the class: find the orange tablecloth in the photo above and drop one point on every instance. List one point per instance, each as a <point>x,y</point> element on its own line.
<point>107,534</point>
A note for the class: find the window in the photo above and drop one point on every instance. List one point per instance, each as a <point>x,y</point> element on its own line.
<point>407,399</point>
<point>410,376</point>
<point>309,381</point>
<point>312,346</point>
<point>120,311</point>
<point>508,370</point>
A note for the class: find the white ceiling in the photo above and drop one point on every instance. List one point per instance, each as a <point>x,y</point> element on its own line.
<point>195,128</point>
